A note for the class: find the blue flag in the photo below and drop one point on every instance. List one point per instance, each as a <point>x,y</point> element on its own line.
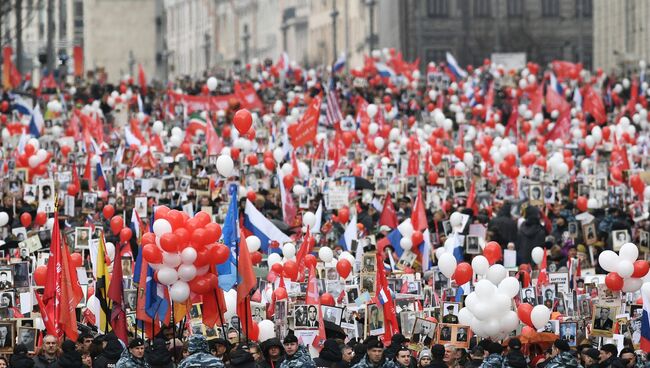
<point>230,234</point>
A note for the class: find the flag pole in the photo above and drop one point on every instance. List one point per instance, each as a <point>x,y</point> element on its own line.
<point>173,332</point>
<point>221,317</point>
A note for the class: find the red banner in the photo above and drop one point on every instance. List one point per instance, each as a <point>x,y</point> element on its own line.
<point>247,95</point>
<point>78,57</point>
<point>305,130</point>
<point>244,94</point>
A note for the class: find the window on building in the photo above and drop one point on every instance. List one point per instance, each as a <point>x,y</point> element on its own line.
<point>438,8</point>
<point>63,28</point>
<point>551,8</point>
<point>435,55</point>
<point>482,8</point>
<point>78,9</point>
<point>584,7</point>
<point>515,8</point>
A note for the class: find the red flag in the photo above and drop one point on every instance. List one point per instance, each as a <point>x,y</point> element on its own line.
<point>62,290</point>
<point>245,285</point>
<point>593,104</point>
<point>542,279</point>
<point>419,216</point>
<point>555,102</point>
<point>75,176</point>
<point>89,170</point>
<point>142,79</point>
<point>6,67</point>
<point>562,126</point>
<point>565,69</point>
<point>116,294</point>
<point>471,197</point>
<point>388,215</point>
<point>305,249</point>
<point>536,97</point>
<point>45,316</point>
<point>78,57</point>
<point>383,297</point>
<point>140,312</point>
<point>634,96</point>
<point>305,130</point>
<point>215,144</point>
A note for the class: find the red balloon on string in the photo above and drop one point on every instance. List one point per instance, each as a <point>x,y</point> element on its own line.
<point>26,219</point>
<point>432,177</point>
<point>243,121</point>
<point>117,223</point>
<point>641,268</point>
<point>40,275</point>
<point>161,212</point>
<point>213,232</point>
<point>76,260</point>
<point>169,242</point>
<point>492,252</point>
<point>148,238</point>
<point>417,238</point>
<point>463,273</point>
<point>256,258</point>
<point>108,211</point>
<point>327,299</point>
<point>288,181</point>
<point>277,268</point>
<point>523,312</point>
<point>175,218</point>
<point>343,267</point>
<point>152,253</point>
<point>251,196</point>
<point>291,270</point>
<point>269,163</point>
<point>72,190</point>
<point>310,260</point>
<point>614,281</point>
<point>41,218</point>
<point>581,203</point>
<point>125,234</point>
<point>221,254</point>
<point>65,150</point>
<point>344,215</point>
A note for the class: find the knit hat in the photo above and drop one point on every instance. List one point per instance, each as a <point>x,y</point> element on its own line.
<point>197,343</point>
<point>592,353</point>
<point>425,353</point>
<point>136,342</point>
<point>290,338</point>
<point>331,351</point>
<point>398,339</point>
<point>562,345</point>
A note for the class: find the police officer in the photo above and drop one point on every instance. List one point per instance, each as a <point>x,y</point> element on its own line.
<point>374,357</point>
<point>297,355</point>
<point>200,354</point>
<point>134,357</point>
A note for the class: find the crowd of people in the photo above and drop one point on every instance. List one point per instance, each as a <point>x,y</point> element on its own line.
<point>383,213</point>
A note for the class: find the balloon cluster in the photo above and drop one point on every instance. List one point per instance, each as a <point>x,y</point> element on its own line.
<point>181,250</point>
<point>535,317</point>
<point>34,159</point>
<point>625,271</point>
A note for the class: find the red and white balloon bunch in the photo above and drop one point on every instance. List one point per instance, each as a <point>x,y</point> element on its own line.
<point>182,249</point>
<point>625,271</point>
<point>34,159</point>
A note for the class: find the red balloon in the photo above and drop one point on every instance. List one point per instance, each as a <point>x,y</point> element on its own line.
<point>613,281</point>
<point>76,260</point>
<point>72,190</point>
<point>523,311</point>
<point>26,219</point>
<point>41,218</point>
<point>344,268</point>
<point>291,270</point>
<point>432,177</point>
<point>280,293</point>
<point>201,284</point>
<point>256,258</point>
<point>199,238</point>
<point>581,203</point>
<point>161,212</point>
<point>221,254</point>
<point>203,218</point>
<point>344,215</point>
<point>637,184</point>
<point>417,238</point>
<point>152,253</point>
<point>117,224</point>
<point>108,211</point>
<point>277,268</point>
<point>203,257</point>
<point>269,163</point>
<point>251,196</point>
<point>40,275</point>
<point>148,238</point>
<point>492,252</point>
<point>213,232</point>
<point>175,218</point>
<point>463,273</point>
<point>436,158</point>
<point>169,242</point>
<point>347,138</point>
<point>125,235</point>
<point>641,268</point>
<point>183,236</point>
<point>310,260</point>
<point>288,181</point>
<point>29,150</point>
<point>327,299</point>
<point>65,150</point>
<point>243,121</point>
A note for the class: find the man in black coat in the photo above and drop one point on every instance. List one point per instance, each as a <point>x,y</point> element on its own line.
<point>273,352</point>
<point>531,234</point>
<point>503,227</point>
<point>330,356</point>
<point>111,354</point>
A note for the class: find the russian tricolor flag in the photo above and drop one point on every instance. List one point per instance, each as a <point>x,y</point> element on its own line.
<point>263,228</point>
<point>339,64</point>
<point>384,70</point>
<point>452,64</point>
<point>100,179</point>
<point>645,318</point>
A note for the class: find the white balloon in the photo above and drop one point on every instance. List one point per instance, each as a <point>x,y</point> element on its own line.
<point>485,290</point>
<point>608,261</point>
<point>628,252</point>
<point>537,255</point>
<point>225,165</point>
<point>406,229</point>
<point>157,127</point>
<point>4,219</point>
<point>465,316</point>
<point>110,250</point>
<point>379,142</point>
<point>179,292</point>
<point>491,327</point>
<point>496,273</point>
<point>440,251</point>
<point>456,219</point>
<point>371,110</point>
<point>273,259</point>
<point>646,193</point>
<point>480,265</point>
<point>161,227</point>
<point>289,250</point>
<point>509,321</point>
<point>347,255</point>
<point>509,287</point>
<point>188,255</point>
<point>167,275</point>
<point>212,83</point>
<point>502,303</point>
<point>632,284</point>
<point>540,315</point>
<point>645,289</point>
<point>309,219</point>
<point>325,254</point>
<point>231,303</point>
<point>477,327</point>
<point>299,190</point>
<point>254,243</point>
<point>471,301</point>
<point>186,272</point>
<point>592,203</point>
<point>373,128</point>
<point>625,268</point>
<point>482,310</point>
<point>447,264</point>
<point>33,161</point>
<point>267,330</point>
<point>34,142</point>
<point>278,154</point>
<point>406,243</point>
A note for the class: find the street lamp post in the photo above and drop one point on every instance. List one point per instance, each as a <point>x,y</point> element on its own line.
<point>206,49</point>
<point>246,37</point>
<point>371,12</point>
<point>334,14</point>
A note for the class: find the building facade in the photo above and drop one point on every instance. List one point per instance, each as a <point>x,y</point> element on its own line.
<point>473,29</point>
<point>621,34</point>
